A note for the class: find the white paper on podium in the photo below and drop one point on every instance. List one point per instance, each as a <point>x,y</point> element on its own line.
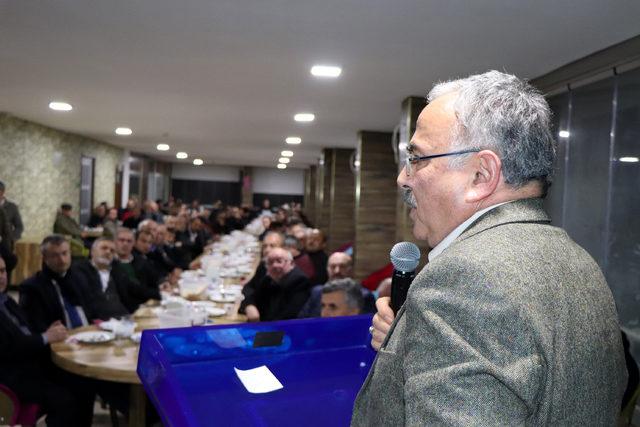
<point>259,380</point>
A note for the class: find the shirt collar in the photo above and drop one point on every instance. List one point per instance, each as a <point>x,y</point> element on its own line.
<point>447,241</point>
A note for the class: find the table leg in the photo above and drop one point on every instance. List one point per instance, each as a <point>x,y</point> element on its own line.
<point>137,406</point>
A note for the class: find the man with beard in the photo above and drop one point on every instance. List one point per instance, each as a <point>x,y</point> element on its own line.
<point>282,292</point>
<point>510,322</point>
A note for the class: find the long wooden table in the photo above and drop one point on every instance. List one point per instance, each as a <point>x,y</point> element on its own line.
<point>115,361</point>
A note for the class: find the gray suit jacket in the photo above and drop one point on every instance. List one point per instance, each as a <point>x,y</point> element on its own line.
<point>512,325</point>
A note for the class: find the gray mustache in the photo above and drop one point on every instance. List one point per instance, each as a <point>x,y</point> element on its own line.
<point>409,198</point>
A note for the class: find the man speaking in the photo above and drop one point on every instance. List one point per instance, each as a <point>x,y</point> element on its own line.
<point>511,322</point>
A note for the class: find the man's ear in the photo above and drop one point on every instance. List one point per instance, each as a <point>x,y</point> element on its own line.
<point>487,173</point>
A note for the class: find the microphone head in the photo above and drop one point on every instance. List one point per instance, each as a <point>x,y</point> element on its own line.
<point>405,256</point>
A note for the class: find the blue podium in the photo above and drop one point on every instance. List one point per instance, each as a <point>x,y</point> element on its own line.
<point>193,375</point>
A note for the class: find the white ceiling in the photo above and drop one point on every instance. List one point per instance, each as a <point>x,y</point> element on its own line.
<point>223,78</point>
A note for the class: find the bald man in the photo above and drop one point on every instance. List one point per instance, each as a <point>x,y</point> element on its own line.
<point>339,266</point>
<point>282,292</point>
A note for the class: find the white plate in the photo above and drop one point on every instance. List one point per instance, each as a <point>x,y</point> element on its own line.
<point>222,298</point>
<point>136,337</point>
<point>215,311</point>
<point>203,304</point>
<point>94,337</point>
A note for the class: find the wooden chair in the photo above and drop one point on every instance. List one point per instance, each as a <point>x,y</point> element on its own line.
<point>13,412</point>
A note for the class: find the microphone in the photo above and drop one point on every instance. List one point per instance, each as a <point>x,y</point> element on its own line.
<point>405,257</point>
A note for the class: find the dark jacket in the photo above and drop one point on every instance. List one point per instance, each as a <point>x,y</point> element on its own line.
<point>20,352</point>
<point>147,272</point>
<point>12,215</point>
<point>128,294</point>
<point>284,299</point>
<point>40,301</point>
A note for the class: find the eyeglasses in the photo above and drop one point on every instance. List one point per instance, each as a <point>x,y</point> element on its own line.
<point>412,160</point>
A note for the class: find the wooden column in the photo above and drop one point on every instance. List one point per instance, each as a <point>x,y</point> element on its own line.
<point>310,181</point>
<point>323,206</point>
<point>375,208</point>
<point>411,108</point>
<point>342,199</point>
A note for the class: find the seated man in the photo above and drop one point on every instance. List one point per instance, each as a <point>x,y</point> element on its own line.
<point>66,225</point>
<point>24,357</point>
<point>114,293</point>
<point>58,292</point>
<point>282,292</point>
<point>300,257</point>
<point>272,239</point>
<point>146,271</point>
<point>314,245</point>
<point>341,297</point>
<point>339,266</point>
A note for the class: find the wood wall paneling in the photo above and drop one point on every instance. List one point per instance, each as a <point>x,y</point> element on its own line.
<point>375,225</point>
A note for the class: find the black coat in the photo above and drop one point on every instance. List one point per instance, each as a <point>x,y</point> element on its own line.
<point>40,301</point>
<point>284,299</point>
<point>20,352</point>
<point>130,294</point>
<point>147,272</point>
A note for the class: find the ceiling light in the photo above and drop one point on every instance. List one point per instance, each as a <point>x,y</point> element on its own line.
<point>197,162</point>
<point>286,153</point>
<point>181,155</point>
<point>123,131</point>
<point>629,159</point>
<point>564,134</point>
<point>304,117</point>
<point>284,160</point>
<point>281,166</point>
<point>293,140</point>
<point>60,106</point>
<point>162,147</point>
<point>326,71</point>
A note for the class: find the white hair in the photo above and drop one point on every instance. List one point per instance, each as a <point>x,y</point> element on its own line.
<point>500,112</point>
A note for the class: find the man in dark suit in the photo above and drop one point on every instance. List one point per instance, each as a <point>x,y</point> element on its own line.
<point>58,291</point>
<point>114,293</point>
<point>510,322</point>
<point>12,214</point>
<point>283,291</point>
<point>26,368</point>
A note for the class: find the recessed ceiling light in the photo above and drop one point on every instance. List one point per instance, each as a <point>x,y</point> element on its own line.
<point>564,134</point>
<point>123,131</point>
<point>629,159</point>
<point>293,140</point>
<point>197,162</point>
<point>162,147</point>
<point>304,117</point>
<point>326,71</point>
<point>286,153</point>
<point>284,160</point>
<point>60,106</point>
<point>281,166</point>
<point>181,155</point>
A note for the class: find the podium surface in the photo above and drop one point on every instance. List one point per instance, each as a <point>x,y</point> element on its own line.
<point>192,375</point>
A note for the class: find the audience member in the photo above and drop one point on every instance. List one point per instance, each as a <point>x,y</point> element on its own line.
<point>282,292</point>
<point>146,272</point>
<point>315,244</point>
<point>115,294</point>
<point>132,218</point>
<point>11,214</point>
<point>339,266</point>
<point>66,225</point>
<point>98,216</point>
<point>300,258</point>
<point>341,297</point>
<point>57,292</point>
<point>6,236</point>
<point>151,210</point>
<point>161,255</point>
<point>25,362</point>
<point>110,223</point>
<point>271,240</point>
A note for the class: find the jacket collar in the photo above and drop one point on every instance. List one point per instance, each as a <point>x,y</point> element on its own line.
<point>518,211</point>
